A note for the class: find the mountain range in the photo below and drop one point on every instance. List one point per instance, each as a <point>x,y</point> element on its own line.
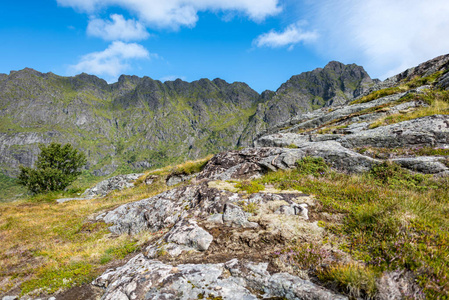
<point>140,123</point>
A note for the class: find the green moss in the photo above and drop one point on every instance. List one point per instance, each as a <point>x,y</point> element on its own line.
<point>52,278</point>
<point>250,187</point>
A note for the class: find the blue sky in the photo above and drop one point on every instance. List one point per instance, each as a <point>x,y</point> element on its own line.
<point>260,42</point>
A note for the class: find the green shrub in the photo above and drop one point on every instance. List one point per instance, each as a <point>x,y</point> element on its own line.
<point>56,168</point>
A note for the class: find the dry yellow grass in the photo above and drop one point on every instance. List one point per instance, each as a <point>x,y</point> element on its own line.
<point>49,246</point>
<point>37,237</point>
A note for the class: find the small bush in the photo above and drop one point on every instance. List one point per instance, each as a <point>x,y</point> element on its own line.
<point>56,168</point>
<point>315,166</point>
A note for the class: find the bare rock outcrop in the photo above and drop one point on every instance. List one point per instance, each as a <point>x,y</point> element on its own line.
<point>119,182</point>
<point>186,235</point>
<point>143,278</point>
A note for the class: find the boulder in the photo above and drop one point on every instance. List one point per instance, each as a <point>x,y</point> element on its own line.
<point>186,235</point>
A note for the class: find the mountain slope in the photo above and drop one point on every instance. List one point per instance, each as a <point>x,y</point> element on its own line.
<point>139,123</point>
<point>334,85</point>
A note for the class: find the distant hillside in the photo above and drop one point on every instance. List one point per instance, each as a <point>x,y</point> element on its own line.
<point>140,123</point>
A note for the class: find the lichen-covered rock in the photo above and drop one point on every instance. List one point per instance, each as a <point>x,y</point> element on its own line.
<point>332,151</point>
<point>294,209</point>
<point>143,278</point>
<point>152,214</point>
<point>186,235</point>
<point>175,179</point>
<point>343,112</point>
<point>423,164</point>
<point>249,163</point>
<point>337,149</point>
<point>119,182</point>
<point>234,216</point>
<point>398,285</point>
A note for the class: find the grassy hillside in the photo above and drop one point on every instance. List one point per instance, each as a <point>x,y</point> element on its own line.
<point>385,219</point>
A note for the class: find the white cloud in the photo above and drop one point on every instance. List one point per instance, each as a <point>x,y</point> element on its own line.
<point>383,35</point>
<point>112,61</point>
<point>117,29</point>
<point>292,35</point>
<point>175,13</point>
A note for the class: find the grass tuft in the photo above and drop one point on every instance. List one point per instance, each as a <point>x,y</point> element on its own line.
<point>356,280</point>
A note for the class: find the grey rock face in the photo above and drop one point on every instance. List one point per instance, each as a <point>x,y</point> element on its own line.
<point>142,278</point>
<point>199,201</point>
<point>426,131</point>
<point>167,208</point>
<point>423,164</point>
<point>119,182</point>
<point>333,152</point>
<point>443,82</point>
<point>63,200</point>
<point>186,235</point>
<point>343,112</point>
<point>151,214</point>
<point>336,149</point>
<point>422,70</point>
<point>330,86</point>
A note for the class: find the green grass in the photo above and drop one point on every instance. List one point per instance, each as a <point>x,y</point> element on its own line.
<point>10,189</point>
<point>392,220</point>
<point>56,246</point>
<point>53,278</point>
<point>315,166</point>
<point>379,94</point>
<point>250,187</point>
